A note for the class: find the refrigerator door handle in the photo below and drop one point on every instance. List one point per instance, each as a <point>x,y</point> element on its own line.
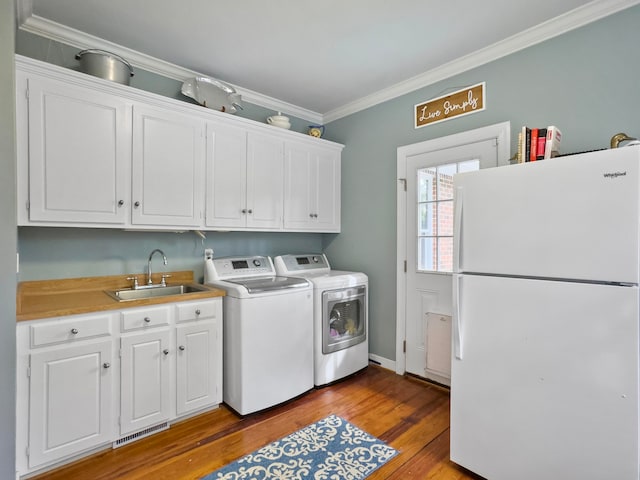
<point>457,327</point>
<point>457,229</point>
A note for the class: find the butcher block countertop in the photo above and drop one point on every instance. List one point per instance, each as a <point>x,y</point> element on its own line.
<point>54,298</point>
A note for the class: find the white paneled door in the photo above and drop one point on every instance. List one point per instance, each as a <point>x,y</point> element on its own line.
<point>425,246</point>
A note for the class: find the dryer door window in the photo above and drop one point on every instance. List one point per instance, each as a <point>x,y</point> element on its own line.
<point>343,318</point>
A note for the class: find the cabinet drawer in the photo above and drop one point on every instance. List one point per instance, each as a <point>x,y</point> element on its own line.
<point>188,311</point>
<point>70,329</point>
<point>144,318</point>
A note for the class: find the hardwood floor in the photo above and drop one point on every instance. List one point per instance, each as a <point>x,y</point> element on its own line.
<point>407,413</point>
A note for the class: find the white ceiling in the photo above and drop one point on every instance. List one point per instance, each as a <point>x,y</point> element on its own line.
<point>317,60</point>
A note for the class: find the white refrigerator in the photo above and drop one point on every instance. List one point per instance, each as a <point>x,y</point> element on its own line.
<point>544,381</point>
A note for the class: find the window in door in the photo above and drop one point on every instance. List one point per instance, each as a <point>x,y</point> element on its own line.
<point>435,215</point>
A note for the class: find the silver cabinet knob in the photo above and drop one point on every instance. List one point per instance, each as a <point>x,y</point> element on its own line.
<point>181,348</point>
<point>74,331</point>
<point>106,365</point>
<point>249,211</point>
<point>147,319</point>
<point>121,203</point>
<point>198,311</point>
<point>137,204</point>
<point>244,210</point>
<point>165,351</point>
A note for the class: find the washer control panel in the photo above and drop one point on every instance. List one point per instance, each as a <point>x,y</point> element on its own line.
<point>239,267</point>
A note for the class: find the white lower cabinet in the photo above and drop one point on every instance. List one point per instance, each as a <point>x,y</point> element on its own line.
<point>144,368</point>
<point>81,376</point>
<point>198,365</point>
<point>70,400</point>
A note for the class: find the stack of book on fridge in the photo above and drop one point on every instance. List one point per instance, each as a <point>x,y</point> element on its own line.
<point>538,143</point>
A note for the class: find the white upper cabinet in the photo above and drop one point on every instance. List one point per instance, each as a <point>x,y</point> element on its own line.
<point>93,153</point>
<point>226,176</point>
<point>265,165</point>
<point>312,188</point>
<point>168,167</point>
<point>79,148</point>
<point>244,179</point>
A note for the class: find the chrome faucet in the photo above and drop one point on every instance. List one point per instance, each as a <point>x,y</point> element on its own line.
<point>164,259</point>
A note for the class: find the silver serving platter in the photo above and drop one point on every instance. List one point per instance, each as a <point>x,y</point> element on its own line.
<point>213,94</point>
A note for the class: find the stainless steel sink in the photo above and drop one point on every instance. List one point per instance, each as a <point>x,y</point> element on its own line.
<point>153,292</point>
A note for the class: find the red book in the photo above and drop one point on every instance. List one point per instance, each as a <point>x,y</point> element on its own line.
<point>542,143</point>
<point>534,145</point>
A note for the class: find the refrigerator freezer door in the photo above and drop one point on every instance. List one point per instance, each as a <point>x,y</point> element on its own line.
<point>547,387</point>
<point>571,217</point>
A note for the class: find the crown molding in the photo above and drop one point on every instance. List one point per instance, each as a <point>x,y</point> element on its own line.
<point>571,20</point>
<point>75,38</point>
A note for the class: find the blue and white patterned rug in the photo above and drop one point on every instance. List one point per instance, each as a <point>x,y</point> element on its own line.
<point>328,449</point>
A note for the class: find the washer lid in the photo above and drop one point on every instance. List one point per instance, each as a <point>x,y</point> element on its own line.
<point>267,284</point>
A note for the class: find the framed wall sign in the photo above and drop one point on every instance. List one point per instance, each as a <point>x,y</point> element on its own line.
<point>461,102</point>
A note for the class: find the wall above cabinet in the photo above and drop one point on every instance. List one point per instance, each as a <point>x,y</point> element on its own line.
<point>96,154</point>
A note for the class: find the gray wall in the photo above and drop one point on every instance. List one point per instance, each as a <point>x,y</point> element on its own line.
<point>76,252</point>
<point>586,82</point>
<point>8,232</point>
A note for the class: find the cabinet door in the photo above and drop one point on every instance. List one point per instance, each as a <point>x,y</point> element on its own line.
<point>265,165</point>
<point>198,373</point>
<point>168,167</point>
<point>144,377</point>
<point>326,214</point>
<point>79,154</point>
<point>299,188</point>
<point>70,400</point>
<point>226,176</point>
<point>312,188</point>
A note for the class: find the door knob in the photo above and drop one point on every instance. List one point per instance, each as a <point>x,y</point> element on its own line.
<point>106,365</point>
<point>165,351</point>
<point>181,348</point>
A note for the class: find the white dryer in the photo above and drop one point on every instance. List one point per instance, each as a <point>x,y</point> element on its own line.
<point>268,332</point>
<point>341,320</point>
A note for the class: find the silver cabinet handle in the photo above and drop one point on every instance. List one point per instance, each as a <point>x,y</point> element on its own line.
<point>121,203</point>
<point>249,211</point>
<point>197,311</point>
<point>244,210</point>
<point>106,365</point>
<point>181,348</point>
<point>74,331</point>
<point>165,351</point>
<point>137,204</point>
<point>147,319</point>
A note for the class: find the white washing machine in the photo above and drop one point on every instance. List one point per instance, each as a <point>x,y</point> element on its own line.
<point>268,332</point>
<point>341,319</point>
